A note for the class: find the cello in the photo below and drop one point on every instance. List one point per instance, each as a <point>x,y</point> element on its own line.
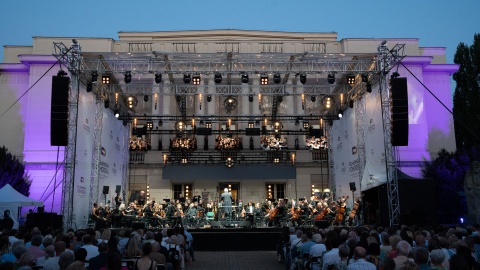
<point>353,212</point>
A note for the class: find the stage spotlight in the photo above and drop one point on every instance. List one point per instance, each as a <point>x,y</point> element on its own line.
<point>145,98</point>
<point>351,79</point>
<point>263,80</point>
<point>303,78</point>
<point>277,78</point>
<point>158,77</point>
<point>128,76</point>
<point>217,78</point>
<point>94,76</point>
<point>229,162</point>
<point>368,87</point>
<point>209,98</point>
<point>350,103</point>
<point>297,122</point>
<point>89,87</point>
<point>131,102</point>
<point>313,98</point>
<point>116,113</point>
<point>244,78</point>
<point>340,113</point>
<point>365,78</point>
<point>150,125</point>
<point>106,103</point>
<point>250,98</point>
<point>196,79</point>
<point>328,101</point>
<point>160,123</point>
<point>178,98</point>
<point>306,125</point>
<point>279,99</point>
<point>105,79</point>
<point>187,78</point>
<point>331,78</point>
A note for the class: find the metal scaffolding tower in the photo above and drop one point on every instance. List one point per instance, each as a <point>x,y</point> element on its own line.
<point>70,57</point>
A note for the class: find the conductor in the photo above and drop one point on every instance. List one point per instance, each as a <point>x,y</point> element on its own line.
<point>227,202</point>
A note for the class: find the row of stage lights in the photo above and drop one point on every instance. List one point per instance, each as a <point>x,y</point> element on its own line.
<point>264,79</point>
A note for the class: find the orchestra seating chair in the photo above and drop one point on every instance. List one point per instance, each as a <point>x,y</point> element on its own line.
<point>210,217</point>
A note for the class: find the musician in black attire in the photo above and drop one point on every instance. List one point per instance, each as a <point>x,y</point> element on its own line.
<point>141,198</point>
<point>196,198</point>
<point>281,212</point>
<point>170,213</point>
<point>148,214</point>
<point>118,200</point>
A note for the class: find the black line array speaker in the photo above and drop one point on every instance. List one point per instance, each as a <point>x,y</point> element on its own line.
<point>399,123</point>
<point>105,190</point>
<point>59,111</point>
<point>118,189</point>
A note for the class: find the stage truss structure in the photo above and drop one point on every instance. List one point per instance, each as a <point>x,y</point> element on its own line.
<point>173,66</point>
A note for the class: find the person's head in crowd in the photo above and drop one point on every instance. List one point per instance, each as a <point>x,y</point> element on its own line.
<point>173,240</point>
<point>19,250</point>
<point>343,251</point>
<point>146,249</point>
<point>37,240</point>
<point>404,248</point>
<point>360,253</point>
<point>114,261</point>
<point>420,240</point>
<point>385,239</point>
<point>50,251</point>
<point>65,259</point>
<point>112,244</point>
<point>103,247</point>
<point>87,239</point>
<point>149,235</point>
<point>106,234</point>
<point>26,259</point>
<point>394,239</point>
<point>59,248</point>
<point>421,256</point>
<point>317,238</point>
<point>155,246</point>
<point>409,265</point>
<point>47,241</point>
<point>387,263</point>
<point>437,256</point>
<point>80,254</point>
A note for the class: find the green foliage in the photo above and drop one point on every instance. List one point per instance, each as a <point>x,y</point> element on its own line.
<point>448,172</point>
<point>466,98</point>
<point>12,172</point>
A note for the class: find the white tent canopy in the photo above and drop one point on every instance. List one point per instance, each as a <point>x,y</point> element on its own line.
<point>9,197</point>
<point>12,200</point>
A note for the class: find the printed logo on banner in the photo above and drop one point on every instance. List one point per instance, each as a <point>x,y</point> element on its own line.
<point>354,165</point>
<point>114,169</point>
<point>354,150</point>
<point>372,153</point>
<point>371,126</point>
<point>81,189</point>
<point>343,169</point>
<point>104,151</point>
<point>345,135</point>
<point>117,145</point>
<point>111,135</point>
<point>85,126</point>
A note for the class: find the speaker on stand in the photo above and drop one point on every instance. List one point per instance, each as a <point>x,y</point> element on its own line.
<point>105,192</point>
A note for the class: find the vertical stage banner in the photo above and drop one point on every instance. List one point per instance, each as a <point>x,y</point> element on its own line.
<point>375,167</point>
<point>83,159</point>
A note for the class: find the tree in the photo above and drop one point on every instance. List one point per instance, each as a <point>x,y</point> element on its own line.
<point>448,171</point>
<point>12,172</point>
<point>466,98</point>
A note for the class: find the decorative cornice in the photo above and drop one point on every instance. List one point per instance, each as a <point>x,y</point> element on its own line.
<point>29,59</point>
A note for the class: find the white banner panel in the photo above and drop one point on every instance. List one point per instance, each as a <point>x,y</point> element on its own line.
<point>83,161</point>
<point>346,166</point>
<point>375,168</point>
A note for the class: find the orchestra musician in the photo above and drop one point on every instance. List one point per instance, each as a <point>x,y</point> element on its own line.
<point>129,214</point>
<point>118,200</point>
<point>280,212</point>
<point>172,215</point>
